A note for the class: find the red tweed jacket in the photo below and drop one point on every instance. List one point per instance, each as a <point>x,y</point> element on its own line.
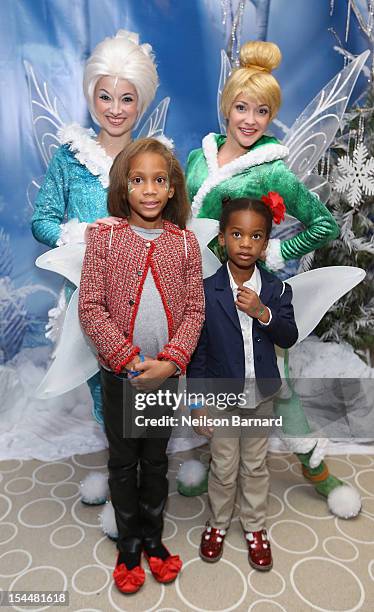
<point>114,270</point>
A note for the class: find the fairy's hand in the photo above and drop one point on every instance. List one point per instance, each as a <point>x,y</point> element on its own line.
<point>103,221</point>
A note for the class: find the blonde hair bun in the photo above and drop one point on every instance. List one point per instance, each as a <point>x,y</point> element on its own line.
<point>262,54</point>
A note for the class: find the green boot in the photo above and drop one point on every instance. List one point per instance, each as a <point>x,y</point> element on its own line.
<point>323,481</point>
<point>343,500</point>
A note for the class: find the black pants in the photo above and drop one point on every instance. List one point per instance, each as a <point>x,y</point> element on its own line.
<point>137,465</point>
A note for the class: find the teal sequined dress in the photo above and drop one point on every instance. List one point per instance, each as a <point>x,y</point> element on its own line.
<point>75,188</point>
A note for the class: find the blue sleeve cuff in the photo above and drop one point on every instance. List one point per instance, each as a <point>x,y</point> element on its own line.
<point>196,406</point>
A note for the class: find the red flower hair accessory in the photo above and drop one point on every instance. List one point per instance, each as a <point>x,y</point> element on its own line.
<point>276,204</point>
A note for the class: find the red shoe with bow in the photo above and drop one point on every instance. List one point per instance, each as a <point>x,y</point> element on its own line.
<point>259,551</point>
<point>211,546</point>
<point>164,570</point>
<point>128,581</point>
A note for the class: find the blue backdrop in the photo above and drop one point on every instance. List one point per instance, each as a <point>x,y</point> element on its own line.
<point>56,36</point>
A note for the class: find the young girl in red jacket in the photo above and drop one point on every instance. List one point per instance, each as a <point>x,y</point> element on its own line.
<point>141,294</point>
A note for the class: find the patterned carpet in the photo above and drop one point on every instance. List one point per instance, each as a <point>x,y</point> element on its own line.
<point>50,541</point>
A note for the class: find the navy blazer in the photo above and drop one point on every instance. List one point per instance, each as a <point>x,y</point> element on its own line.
<point>220,350</point>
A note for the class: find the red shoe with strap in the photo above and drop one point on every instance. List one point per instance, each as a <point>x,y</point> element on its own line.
<point>211,546</point>
<point>259,551</point>
<point>128,581</point>
<point>164,570</point>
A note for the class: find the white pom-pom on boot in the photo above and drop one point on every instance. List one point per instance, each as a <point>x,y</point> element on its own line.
<point>107,521</point>
<point>191,473</point>
<point>192,478</point>
<point>95,489</point>
<point>344,501</point>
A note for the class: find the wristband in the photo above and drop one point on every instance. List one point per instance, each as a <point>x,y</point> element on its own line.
<point>196,406</point>
<point>261,312</point>
<point>135,373</point>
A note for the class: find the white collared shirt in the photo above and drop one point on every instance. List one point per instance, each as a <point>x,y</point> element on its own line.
<point>246,324</point>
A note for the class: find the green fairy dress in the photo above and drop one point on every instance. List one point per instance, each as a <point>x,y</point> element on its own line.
<point>254,174</point>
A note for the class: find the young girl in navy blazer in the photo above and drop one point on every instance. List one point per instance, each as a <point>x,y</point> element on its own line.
<point>247,311</point>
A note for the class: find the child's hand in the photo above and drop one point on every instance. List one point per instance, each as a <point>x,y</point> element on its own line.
<point>202,430</point>
<point>132,365</point>
<point>153,373</point>
<point>103,221</point>
<point>249,302</point>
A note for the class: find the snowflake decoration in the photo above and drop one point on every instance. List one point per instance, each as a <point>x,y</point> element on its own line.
<point>356,175</point>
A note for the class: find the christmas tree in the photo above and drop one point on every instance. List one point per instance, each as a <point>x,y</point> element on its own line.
<point>350,169</point>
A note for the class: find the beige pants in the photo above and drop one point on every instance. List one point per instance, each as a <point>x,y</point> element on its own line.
<point>239,463</point>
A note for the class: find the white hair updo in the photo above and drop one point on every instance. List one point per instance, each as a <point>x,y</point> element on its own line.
<point>123,57</point>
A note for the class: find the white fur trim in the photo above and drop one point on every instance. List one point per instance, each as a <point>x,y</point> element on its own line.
<point>167,142</point>
<point>274,259</point>
<point>216,174</point>
<point>72,232</point>
<point>88,151</point>
<point>319,452</point>
<point>192,473</point>
<point>107,521</point>
<point>94,488</point>
<point>344,501</point>
<point>305,445</point>
<point>300,445</point>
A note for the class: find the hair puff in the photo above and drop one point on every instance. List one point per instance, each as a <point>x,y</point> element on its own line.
<point>260,53</point>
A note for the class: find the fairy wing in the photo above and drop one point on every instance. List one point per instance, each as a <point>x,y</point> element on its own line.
<point>319,185</point>
<point>155,124</point>
<point>223,76</point>
<point>313,131</point>
<point>65,260</point>
<point>75,358</point>
<point>315,291</point>
<point>312,134</point>
<point>205,230</point>
<point>47,111</point>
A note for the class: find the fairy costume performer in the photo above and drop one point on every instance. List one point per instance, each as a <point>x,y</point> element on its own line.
<point>120,82</point>
<point>247,163</point>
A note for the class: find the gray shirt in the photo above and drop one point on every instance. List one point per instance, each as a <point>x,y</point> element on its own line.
<point>151,326</point>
